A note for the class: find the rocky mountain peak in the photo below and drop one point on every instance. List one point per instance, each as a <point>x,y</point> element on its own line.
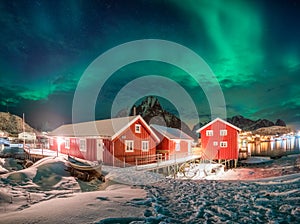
<point>149,106</point>
<point>280,122</point>
<point>153,113</point>
<point>250,125</point>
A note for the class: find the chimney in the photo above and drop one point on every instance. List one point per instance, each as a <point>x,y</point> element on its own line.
<point>134,111</point>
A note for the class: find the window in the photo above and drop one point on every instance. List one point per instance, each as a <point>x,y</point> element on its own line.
<point>223,144</point>
<point>177,146</point>
<point>223,132</point>
<point>51,141</point>
<point>82,145</point>
<point>129,146</point>
<point>215,143</point>
<point>137,128</point>
<point>209,132</point>
<point>145,146</point>
<point>67,143</point>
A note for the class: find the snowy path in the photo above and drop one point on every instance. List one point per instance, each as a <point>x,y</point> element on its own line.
<point>131,176</point>
<point>267,201</point>
<point>46,193</point>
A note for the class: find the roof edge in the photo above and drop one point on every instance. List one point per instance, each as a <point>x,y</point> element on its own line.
<point>221,120</point>
<point>130,123</point>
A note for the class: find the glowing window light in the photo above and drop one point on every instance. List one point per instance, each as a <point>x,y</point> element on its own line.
<point>60,140</point>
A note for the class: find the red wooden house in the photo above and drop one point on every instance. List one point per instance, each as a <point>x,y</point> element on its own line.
<point>173,142</point>
<point>116,141</point>
<point>219,140</point>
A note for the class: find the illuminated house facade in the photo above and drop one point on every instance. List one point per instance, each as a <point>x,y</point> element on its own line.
<point>219,140</point>
<point>116,141</point>
<point>172,141</point>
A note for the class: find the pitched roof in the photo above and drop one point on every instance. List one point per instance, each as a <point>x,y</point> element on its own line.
<point>105,128</point>
<point>171,133</point>
<point>218,119</point>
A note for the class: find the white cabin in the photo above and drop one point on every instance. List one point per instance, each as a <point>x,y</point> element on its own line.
<point>28,136</point>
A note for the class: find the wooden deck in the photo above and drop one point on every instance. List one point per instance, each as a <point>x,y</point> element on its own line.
<point>175,159</point>
<point>36,154</point>
<point>157,163</point>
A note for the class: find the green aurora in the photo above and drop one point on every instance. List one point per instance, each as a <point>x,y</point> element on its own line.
<point>252,47</point>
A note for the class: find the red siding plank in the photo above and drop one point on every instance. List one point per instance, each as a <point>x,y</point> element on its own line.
<point>216,152</point>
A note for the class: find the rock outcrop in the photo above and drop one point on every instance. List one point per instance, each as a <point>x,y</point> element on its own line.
<point>153,113</point>
<point>251,125</point>
<point>13,124</point>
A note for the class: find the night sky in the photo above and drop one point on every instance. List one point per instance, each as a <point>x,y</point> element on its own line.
<point>252,47</point>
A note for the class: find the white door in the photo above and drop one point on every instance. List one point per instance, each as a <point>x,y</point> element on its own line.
<point>100,149</point>
<point>177,145</point>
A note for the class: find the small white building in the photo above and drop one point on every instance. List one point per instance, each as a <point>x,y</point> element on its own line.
<point>27,136</point>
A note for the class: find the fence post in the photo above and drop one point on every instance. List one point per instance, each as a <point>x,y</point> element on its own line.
<point>135,163</point>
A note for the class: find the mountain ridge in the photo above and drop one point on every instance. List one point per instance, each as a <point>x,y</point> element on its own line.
<point>13,124</point>
<point>152,112</point>
<point>247,124</point>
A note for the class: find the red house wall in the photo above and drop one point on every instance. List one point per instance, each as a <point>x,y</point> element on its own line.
<point>91,149</point>
<point>184,146</point>
<point>53,144</point>
<point>108,152</point>
<point>164,144</point>
<point>217,152</point>
<point>113,150</point>
<point>170,146</point>
<point>129,134</point>
<point>73,150</point>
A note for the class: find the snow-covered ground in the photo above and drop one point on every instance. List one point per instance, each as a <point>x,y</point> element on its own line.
<point>46,193</point>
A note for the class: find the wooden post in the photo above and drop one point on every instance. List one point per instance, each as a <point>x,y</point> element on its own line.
<point>136,163</point>
<point>235,163</point>
<point>113,149</point>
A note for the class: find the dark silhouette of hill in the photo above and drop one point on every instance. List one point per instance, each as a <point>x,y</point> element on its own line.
<point>13,124</point>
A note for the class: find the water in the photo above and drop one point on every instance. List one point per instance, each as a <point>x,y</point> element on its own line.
<point>288,145</point>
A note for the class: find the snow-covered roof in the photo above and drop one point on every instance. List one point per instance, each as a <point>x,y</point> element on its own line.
<point>221,120</point>
<point>105,128</point>
<point>171,133</point>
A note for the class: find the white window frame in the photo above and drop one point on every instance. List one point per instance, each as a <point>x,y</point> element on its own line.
<point>129,146</point>
<point>67,143</point>
<point>223,132</point>
<point>215,143</point>
<point>209,133</point>
<point>145,146</point>
<point>82,145</point>
<point>223,144</point>
<point>137,128</point>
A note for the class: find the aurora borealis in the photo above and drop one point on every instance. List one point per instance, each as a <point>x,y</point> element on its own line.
<point>253,48</point>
